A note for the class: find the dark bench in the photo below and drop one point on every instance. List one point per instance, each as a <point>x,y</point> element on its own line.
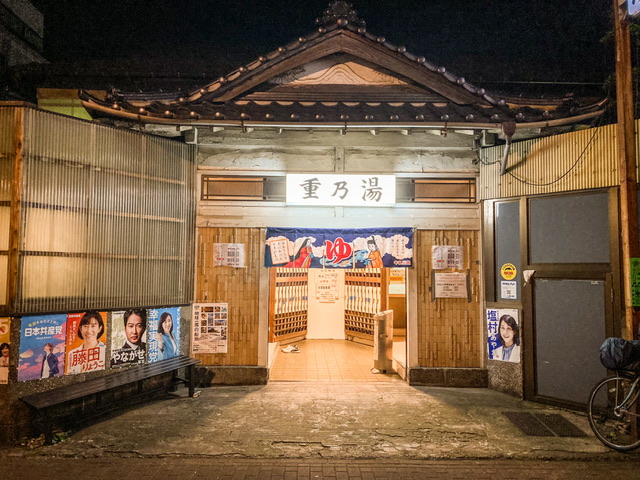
<point>41,402</point>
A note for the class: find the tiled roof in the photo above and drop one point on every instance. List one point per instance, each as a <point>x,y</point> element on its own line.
<point>433,95</point>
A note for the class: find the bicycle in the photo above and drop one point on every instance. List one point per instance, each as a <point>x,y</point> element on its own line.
<point>614,411</point>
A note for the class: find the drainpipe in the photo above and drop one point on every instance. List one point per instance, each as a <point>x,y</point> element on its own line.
<point>508,129</point>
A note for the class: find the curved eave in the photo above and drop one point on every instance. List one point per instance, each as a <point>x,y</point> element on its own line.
<point>146,119</point>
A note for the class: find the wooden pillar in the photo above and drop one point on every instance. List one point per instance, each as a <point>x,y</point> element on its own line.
<point>627,156</point>
<point>14,215</point>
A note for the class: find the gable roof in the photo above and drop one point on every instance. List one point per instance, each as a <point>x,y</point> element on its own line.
<point>342,74</point>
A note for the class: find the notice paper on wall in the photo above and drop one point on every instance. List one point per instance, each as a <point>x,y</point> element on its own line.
<point>451,285</point>
<point>508,290</point>
<point>327,286</point>
<point>210,331</point>
<point>447,256</point>
<point>229,255</point>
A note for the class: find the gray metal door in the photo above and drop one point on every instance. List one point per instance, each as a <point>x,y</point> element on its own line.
<point>569,327</point>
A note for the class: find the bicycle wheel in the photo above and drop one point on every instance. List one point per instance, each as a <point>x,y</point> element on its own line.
<point>616,427</point>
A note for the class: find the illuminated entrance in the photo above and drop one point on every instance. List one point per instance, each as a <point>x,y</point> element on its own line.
<point>324,295</point>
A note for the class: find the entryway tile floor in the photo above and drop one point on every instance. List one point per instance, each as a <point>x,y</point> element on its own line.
<point>328,361</point>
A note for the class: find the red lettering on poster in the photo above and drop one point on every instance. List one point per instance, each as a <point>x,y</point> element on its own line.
<point>338,251</point>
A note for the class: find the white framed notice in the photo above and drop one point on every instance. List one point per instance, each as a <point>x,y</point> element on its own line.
<point>451,285</point>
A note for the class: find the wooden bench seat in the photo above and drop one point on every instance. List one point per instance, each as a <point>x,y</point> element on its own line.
<point>136,373</point>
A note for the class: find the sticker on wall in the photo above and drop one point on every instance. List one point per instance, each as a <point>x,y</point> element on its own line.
<point>508,271</point>
<point>508,290</point>
<point>503,335</point>
<point>635,281</point>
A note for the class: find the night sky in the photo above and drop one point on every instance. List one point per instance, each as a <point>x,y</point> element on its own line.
<point>484,40</point>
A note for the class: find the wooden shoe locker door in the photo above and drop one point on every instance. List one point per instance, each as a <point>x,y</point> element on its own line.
<point>366,295</point>
<point>288,304</point>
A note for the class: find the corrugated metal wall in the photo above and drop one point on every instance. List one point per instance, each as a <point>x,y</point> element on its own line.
<point>571,161</point>
<point>107,217</point>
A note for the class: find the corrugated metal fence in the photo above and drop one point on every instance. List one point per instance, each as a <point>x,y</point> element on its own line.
<point>106,216</point>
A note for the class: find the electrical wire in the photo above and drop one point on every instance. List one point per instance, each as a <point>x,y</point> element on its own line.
<point>596,130</point>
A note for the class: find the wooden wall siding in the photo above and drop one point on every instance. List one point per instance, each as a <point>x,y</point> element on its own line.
<point>288,303</point>
<point>239,287</point>
<point>588,157</point>
<point>448,328</point>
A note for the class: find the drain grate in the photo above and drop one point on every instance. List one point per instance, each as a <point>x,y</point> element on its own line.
<point>560,425</point>
<point>544,424</point>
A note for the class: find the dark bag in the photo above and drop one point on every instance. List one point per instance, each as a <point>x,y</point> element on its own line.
<point>620,354</point>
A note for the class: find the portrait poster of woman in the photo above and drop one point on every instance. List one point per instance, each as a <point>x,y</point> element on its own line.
<point>86,342</point>
<point>164,333</point>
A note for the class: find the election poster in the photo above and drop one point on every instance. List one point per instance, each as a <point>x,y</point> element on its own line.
<point>128,337</point>
<point>42,347</point>
<point>210,330</point>
<point>503,334</point>
<point>5,349</point>
<point>164,333</point>
<point>86,342</point>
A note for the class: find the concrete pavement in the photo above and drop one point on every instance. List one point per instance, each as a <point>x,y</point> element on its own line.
<point>386,427</point>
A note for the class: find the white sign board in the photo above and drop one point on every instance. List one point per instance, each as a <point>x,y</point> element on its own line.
<point>447,256</point>
<point>451,285</point>
<point>341,190</point>
<point>634,7</point>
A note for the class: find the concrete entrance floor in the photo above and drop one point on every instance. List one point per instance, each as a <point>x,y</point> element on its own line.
<point>385,420</point>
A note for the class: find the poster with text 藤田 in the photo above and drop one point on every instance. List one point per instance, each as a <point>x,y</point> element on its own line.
<point>86,342</point>
<point>210,330</point>
<point>503,334</point>
<point>128,337</point>
<point>164,333</point>
<point>42,346</point>
<point>5,349</point>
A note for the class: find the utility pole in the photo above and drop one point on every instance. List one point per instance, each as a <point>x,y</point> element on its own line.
<point>627,158</point>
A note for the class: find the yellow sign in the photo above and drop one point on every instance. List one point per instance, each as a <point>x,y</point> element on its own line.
<point>508,271</point>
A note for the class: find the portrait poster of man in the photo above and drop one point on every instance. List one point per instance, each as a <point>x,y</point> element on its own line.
<point>128,337</point>
<point>5,349</point>
<point>42,347</point>
<point>86,342</point>
<point>164,333</point>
